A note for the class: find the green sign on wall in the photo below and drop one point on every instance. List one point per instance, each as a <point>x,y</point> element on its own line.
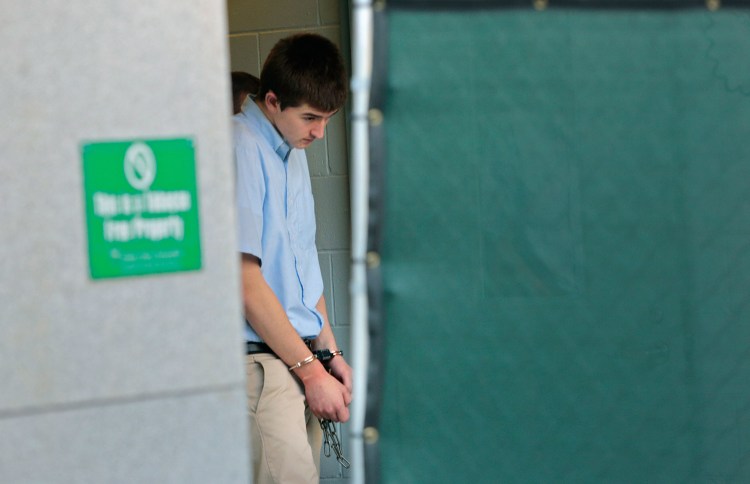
<point>141,207</point>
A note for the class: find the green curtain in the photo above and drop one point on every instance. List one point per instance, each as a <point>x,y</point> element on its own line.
<point>566,247</point>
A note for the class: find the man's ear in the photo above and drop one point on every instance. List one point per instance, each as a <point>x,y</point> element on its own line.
<point>272,102</point>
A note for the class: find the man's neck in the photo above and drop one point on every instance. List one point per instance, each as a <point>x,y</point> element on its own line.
<point>262,106</point>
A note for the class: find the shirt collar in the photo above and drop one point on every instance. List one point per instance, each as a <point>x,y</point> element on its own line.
<point>266,129</point>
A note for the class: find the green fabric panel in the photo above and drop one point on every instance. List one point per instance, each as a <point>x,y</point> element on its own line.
<point>566,255</point>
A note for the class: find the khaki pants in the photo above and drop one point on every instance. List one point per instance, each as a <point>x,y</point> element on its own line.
<point>285,437</point>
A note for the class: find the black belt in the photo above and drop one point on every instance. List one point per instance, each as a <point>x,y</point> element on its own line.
<point>255,348</point>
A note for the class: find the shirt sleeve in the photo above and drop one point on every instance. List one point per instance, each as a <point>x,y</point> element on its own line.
<point>250,192</point>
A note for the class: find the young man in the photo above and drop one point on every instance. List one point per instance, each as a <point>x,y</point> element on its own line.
<point>303,83</point>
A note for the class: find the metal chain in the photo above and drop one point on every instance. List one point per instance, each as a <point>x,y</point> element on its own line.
<point>331,441</point>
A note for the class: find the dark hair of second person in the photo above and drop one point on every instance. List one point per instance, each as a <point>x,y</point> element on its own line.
<point>243,85</point>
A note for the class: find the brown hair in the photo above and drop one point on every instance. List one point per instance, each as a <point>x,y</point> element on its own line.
<point>305,68</point>
<point>243,83</point>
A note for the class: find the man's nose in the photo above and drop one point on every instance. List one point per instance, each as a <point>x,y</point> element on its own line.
<point>319,129</point>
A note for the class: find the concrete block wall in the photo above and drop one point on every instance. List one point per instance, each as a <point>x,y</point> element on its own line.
<point>134,379</point>
<point>254,27</point>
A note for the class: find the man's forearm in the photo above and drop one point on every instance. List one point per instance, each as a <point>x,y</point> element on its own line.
<point>266,315</point>
<point>326,339</point>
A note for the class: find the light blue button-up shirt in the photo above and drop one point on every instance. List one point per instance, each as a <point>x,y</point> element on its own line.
<point>277,218</point>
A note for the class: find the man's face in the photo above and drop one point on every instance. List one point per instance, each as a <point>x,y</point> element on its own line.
<point>301,125</point>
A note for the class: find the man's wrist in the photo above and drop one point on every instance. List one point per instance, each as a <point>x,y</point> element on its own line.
<point>310,370</point>
<point>304,362</point>
<point>325,355</point>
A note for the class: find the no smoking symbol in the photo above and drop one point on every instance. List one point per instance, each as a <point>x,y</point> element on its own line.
<point>140,166</point>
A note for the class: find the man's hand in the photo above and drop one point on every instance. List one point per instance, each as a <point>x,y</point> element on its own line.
<point>327,397</point>
<point>341,370</point>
